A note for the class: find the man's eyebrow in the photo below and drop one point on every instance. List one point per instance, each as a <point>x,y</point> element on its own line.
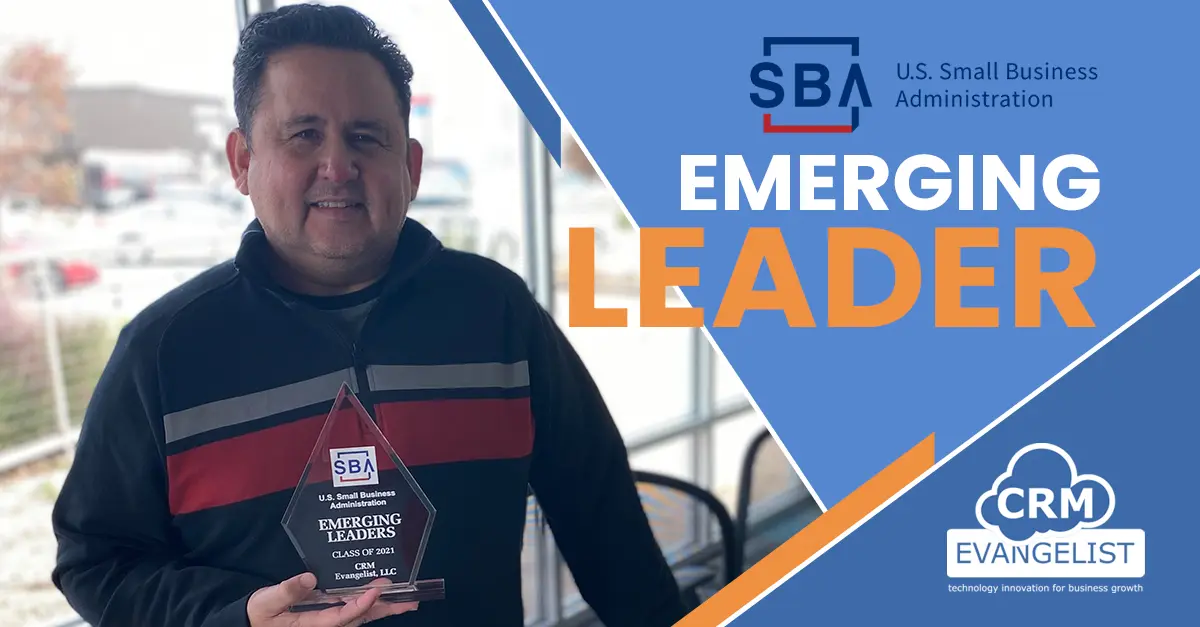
<point>303,119</point>
<point>370,125</point>
<point>367,124</point>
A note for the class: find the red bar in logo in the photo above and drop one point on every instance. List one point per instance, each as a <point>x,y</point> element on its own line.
<point>768,127</point>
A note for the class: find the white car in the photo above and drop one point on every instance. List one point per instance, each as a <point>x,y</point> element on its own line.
<point>445,205</point>
<point>177,227</point>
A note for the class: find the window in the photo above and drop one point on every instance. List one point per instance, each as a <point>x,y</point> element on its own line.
<point>106,116</point>
<point>147,138</point>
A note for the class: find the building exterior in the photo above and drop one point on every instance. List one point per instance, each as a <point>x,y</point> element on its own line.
<point>125,138</point>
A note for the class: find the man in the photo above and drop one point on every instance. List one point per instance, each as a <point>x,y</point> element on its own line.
<point>203,421</point>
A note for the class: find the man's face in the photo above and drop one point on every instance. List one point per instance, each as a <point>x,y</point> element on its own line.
<point>331,171</point>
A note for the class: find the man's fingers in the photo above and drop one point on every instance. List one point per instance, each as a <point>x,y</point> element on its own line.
<point>296,588</point>
<point>386,608</point>
<point>356,611</point>
<point>276,599</point>
<point>352,613</point>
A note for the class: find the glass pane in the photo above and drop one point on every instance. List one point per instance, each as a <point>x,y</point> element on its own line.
<point>672,458</point>
<point>643,372</point>
<point>530,554</point>
<point>773,474</point>
<point>27,409</point>
<point>729,388</point>
<point>105,123</point>
<point>670,513</point>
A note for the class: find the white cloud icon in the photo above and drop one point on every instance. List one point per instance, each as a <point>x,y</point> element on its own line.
<point>1076,478</point>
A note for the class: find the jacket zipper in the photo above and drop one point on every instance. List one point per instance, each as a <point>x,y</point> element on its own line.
<point>356,361</point>
<point>364,386</point>
<point>360,369</point>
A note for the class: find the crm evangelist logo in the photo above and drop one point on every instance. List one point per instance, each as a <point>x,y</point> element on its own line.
<point>1042,518</point>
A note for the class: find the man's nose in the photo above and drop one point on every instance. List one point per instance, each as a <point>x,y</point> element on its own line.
<point>338,163</point>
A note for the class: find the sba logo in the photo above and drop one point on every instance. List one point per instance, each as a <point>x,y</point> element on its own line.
<point>810,85</point>
<point>354,466</point>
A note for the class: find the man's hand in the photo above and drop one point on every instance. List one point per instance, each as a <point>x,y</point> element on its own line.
<point>268,607</point>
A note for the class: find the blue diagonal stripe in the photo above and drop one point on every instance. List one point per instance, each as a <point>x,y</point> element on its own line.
<point>512,71</point>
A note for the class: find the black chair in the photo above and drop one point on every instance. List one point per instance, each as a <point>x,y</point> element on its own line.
<point>745,486</point>
<point>669,515</point>
<point>767,471</point>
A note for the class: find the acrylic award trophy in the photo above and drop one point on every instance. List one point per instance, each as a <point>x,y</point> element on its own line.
<point>358,516</point>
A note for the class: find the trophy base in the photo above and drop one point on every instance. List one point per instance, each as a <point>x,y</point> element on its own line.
<point>425,590</point>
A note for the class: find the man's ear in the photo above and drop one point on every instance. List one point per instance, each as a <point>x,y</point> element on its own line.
<point>237,151</point>
<point>416,156</point>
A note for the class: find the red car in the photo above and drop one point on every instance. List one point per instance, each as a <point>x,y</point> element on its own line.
<point>64,273</point>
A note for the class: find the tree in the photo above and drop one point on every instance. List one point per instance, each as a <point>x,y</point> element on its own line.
<point>33,123</point>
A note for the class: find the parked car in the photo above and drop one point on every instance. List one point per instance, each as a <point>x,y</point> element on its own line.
<point>443,204</point>
<point>180,223</point>
<point>64,273</point>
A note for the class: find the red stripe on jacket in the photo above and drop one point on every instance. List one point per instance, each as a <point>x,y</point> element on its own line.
<point>273,459</point>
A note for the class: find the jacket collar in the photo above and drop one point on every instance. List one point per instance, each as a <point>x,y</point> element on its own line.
<point>416,245</point>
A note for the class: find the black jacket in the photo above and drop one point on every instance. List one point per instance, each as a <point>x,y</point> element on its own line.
<point>208,410</point>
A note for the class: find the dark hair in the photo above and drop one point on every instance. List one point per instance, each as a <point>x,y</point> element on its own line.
<point>337,27</point>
